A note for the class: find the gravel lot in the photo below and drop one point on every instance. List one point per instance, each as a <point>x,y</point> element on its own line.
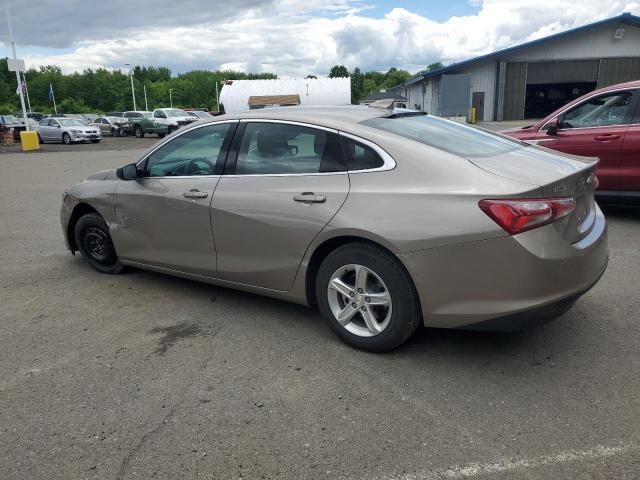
<point>146,376</point>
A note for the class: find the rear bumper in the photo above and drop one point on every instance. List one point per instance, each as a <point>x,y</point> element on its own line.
<point>507,283</point>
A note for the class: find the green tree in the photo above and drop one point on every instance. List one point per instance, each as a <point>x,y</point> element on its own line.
<point>338,71</point>
<point>434,66</point>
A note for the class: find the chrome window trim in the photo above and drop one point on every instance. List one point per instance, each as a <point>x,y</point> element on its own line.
<point>179,134</point>
<point>288,122</point>
<point>633,91</point>
<point>388,163</point>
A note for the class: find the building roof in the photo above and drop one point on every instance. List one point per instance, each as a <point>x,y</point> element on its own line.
<point>374,97</point>
<point>626,18</point>
<point>274,100</point>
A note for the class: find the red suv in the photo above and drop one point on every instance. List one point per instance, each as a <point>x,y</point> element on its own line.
<point>604,123</point>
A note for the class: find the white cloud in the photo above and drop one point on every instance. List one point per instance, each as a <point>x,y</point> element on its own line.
<point>292,38</point>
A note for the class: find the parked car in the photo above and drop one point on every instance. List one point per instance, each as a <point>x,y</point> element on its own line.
<point>382,218</point>
<point>90,116</point>
<point>115,126</point>
<point>67,130</point>
<point>114,114</point>
<point>12,124</point>
<point>35,115</point>
<point>198,114</point>
<point>173,118</point>
<point>142,122</point>
<point>604,123</point>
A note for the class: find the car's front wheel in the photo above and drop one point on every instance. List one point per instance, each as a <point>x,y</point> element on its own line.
<point>94,242</point>
<point>139,132</point>
<point>367,297</point>
<point>66,138</point>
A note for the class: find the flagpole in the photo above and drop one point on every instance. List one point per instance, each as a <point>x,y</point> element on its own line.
<point>15,57</point>
<point>52,97</point>
<point>26,90</point>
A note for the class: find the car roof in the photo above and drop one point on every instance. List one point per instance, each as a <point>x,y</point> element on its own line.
<point>328,116</point>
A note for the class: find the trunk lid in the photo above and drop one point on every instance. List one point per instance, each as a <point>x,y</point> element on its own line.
<point>558,175</point>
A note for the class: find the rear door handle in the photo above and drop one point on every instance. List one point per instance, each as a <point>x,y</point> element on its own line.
<point>195,193</point>
<point>309,197</point>
<point>606,136</point>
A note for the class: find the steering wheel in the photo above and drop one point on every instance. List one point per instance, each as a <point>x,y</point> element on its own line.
<point>193,167</point>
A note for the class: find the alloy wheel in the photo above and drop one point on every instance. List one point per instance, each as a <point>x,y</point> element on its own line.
<point>359,300</point>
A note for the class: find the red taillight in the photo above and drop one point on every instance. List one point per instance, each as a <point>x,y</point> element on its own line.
<point>517,216</point>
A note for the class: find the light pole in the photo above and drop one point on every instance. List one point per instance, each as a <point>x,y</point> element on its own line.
<point>133,92</point>
<point>170,98</point>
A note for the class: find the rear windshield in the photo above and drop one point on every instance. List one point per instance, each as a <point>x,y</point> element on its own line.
<point>446,135</point>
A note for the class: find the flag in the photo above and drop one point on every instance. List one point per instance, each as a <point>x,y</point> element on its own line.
<point>20,86</point>
<point>51,97</point>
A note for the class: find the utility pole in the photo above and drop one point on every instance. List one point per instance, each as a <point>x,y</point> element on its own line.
<point>133,92</point>
<point>26,90</point>
<point>15,58</point>
<point>217,97</point>
<point>170,98</point>
<point>146,105</point>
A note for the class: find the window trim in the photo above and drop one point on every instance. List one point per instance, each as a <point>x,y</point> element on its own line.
<point>142,163</point>
<point>388,162</point>
<point>635,93</point>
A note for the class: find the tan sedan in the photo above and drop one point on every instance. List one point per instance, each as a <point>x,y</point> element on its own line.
<point>383,219</point>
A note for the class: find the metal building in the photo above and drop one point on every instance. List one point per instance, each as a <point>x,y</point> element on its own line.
<point>535,78</point>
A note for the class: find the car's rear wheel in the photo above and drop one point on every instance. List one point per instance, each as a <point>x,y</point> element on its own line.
<point>139,132</point>
<point>66,138</point>
<point>367,297</point>
<point>40,139</point>
<point>94,242</point>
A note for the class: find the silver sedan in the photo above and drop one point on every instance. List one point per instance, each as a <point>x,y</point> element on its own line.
<point>67,130</point>
<point>382,219</point>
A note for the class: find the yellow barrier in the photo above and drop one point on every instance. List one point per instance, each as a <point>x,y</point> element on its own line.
<point>29,141</point>
<point>473,115</point>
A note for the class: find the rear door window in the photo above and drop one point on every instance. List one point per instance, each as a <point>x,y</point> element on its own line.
<point>287,149</point>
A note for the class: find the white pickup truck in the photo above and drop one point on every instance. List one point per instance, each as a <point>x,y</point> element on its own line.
<point>173,118</point>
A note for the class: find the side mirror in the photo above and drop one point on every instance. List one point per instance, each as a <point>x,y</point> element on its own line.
<point>128,172</point>
<point>552,127</point>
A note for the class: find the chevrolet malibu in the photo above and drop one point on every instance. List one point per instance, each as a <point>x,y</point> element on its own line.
<point>382,219</point>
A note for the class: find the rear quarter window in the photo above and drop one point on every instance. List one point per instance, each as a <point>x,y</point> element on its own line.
<point>446,135</point>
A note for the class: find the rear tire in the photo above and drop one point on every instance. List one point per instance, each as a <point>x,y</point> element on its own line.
<point>139,132</point>
<point>386,280</point>
<point>94,242</point>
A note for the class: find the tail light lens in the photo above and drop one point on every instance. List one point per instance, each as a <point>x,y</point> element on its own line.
<point>519,215</point>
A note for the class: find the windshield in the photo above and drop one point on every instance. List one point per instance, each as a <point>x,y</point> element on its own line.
<point>71,122</point>
<point>446,135</point>
<point>11,119</point>
<point>175,112</point>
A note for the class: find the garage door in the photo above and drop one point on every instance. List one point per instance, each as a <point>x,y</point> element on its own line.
<point>514,90</point>
<point>618,70</point>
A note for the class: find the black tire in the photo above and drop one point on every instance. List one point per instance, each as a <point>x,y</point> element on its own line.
<point>115,132</point>
<point>94,243</point>
<point>66,138</point>
<point>95,141</point>
<point>161,135</point>
<point>139,132</point>
<point>40,141</point>
<point>171,129</point>
<point>406,314</point>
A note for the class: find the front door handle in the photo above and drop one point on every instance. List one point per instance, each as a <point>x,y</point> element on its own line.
<point>195,193</point>
<point>606,137</point>
<point>309,197</point>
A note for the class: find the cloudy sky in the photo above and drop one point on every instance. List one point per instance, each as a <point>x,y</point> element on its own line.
<point>287,37</point>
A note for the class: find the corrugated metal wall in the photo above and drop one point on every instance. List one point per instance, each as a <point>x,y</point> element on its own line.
<point>483,79</point>
<point>515,89</point>
<point>618,70</point>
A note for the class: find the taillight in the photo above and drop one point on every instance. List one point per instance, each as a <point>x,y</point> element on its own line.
<point>519,215</point>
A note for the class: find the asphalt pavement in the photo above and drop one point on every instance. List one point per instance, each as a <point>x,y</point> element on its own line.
<point>143,375</point>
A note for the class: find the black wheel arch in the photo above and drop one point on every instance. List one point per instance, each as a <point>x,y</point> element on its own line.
<point>79,210</point>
